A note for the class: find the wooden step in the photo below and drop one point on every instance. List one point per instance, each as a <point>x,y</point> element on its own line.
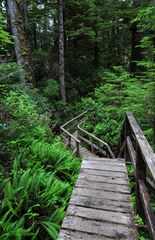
<point>99,207</point>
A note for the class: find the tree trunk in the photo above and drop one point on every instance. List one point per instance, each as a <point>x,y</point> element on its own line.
<point>96,45</point>
<point>61,53</point>
<point>21,50</point>
<point>135,49</point>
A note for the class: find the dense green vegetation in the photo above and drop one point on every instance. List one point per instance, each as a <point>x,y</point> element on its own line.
<point>108,50</point>
<point>119,92</point>
<point>37,178</point>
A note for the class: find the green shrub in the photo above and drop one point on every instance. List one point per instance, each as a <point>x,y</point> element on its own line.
<point>5,38</point>
<point>119,92</point>
<point>40,172</point>
<point>9,75</point>
<point>52,89</point>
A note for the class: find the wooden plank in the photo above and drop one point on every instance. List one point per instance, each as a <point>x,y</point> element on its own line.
<point>98,159</point>
<point>116,231</point>
<point>103,179</point>
<point>104,204</point>
<point>77,235</point>
<point>101,194</point>
<point>150,217</point>
<point>145,149</point>
<point>87,165</point>
<point>109,174</point>
<point>99,207</point>
<point>103,186</point>
<point>131,152</point>
<point>107,163</point>
<point>99,215</point>
<point>85,153</point>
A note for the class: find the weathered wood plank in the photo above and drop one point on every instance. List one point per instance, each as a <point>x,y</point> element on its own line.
<point>150,217</point>
<point>101,194</point>
<point>99,215</point>
<point>116,231</point>
<point>131,152</point>
<point>99,207</point>
<point>103,186</point>
<point>87,165</point>
<point>96,158</point>
<point>107,163</point>
<point>145,149</point>
<point>104,204</point>
<point>103,179</point>
<point>104,173</point>
<point>77,235</point>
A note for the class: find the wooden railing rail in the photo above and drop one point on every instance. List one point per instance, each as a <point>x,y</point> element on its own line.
<point>69,136</point>
<point>90,141</point>
<point>136,150</point>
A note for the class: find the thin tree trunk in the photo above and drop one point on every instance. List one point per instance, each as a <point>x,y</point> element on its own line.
<point>21,50</point>
<point>96,45</point>
<point>61,53</point>
<point>28,37</point>
<point>135,49</point>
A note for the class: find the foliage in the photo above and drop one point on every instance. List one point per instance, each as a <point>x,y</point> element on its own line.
<point>138,220</point>
<point>9,76</point>
<point>5,38</point>
<point>130,169</point>
<point>37,173</point>
<point>52,89</point>
<point>119,92</point>
<point>40,172</point>
<point>146,19</point>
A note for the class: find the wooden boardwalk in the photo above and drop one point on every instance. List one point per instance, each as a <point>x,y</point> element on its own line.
<point>99,207</point>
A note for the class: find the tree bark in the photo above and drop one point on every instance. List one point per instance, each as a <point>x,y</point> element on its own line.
<point>21,50</point>
<point>136,54</point>
<point>61,53</point>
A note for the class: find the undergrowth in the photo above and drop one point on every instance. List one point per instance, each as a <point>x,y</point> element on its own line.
<point>38,174</point>
<point>118,92</point>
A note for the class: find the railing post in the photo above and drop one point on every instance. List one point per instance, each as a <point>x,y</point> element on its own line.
<point>78,132</point>
<point>140,175</point>
<point>69,141</point>
<point>78,148</point>
<point>91,140</point>
<point>127,133</point>
<point>107,153</point>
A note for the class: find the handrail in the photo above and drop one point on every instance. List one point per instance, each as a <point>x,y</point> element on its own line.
<point>143,145</point>
<point>136,150</point>
<point>73,119</point>
<point>78,141</point>
<point>71,136</point>
<point>92,136</point>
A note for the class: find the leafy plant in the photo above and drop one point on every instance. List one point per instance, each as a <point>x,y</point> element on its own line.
<point>119,92</point>
<point>138,220</point>
<point>5,38</point>
<point>52,89</point>
<point>40,175</point>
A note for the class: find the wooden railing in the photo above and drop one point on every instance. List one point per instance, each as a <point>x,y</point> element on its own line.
<point>137,151</point>
<point>94,142</point>
<point>71,140</point>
